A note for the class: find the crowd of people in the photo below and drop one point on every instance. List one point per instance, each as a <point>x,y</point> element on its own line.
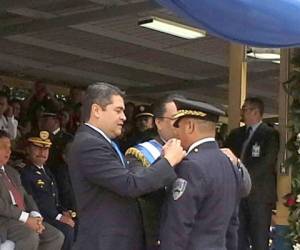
<point>94,173</point>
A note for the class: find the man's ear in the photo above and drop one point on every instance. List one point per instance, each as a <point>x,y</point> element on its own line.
<point>157,122</point>
<point>190,126</point>
<point>96,110</point>
<point>256,112</point>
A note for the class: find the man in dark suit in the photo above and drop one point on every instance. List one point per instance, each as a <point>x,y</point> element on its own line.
<point>202,201</point>
<point>50,120</point>
<point>257,144</point>
<point>20,220</point>
<point>40,183</point>
<point>105,189</point>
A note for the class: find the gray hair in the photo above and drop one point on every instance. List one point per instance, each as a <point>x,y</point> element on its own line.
<point>98,93</point>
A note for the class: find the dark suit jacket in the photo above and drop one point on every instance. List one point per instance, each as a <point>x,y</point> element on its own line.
<point>60,170</point>
<point>106,193</point>
<point>201,216</point>
<point>262,168</point>
<point>9,212</point>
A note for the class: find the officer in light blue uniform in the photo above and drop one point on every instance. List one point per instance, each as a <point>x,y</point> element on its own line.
<point>202,202</point>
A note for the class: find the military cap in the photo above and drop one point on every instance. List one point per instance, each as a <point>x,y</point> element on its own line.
<point>143,110</point>
<point>196,109</point>
<point>40,139</point>
<point>50,111</point>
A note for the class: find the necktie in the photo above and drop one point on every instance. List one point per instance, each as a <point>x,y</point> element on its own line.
<point>246,140</point>
<point>118,151</point>
<point>19,199</point>
<point>248,132</point>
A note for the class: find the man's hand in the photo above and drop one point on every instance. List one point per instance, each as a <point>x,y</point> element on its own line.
<point>173,151</point>
<point>230,155</point>
<point>67,220</point>
<point>35,223</point>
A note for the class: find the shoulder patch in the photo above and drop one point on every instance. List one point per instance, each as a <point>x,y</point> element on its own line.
<point>179,187</point>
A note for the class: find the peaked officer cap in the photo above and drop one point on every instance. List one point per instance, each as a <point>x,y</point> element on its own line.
<point>40,139</point>
<point>143,110</point>
<point>50,111</point>
<point>196,109</point>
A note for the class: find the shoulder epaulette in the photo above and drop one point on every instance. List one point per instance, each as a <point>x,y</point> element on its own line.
<point>138,155</point>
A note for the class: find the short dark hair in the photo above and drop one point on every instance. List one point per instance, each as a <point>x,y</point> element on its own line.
<point>4,134</point>
<point>256,102</point>
<point>159,107</point>
<point>101,94</point>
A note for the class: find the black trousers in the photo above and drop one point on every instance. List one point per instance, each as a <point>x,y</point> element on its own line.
<point>254,229</point>
<point>67,231</point>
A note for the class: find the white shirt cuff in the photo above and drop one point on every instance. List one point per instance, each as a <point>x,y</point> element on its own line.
<point>24,217</point>
<point>58,217</point>
<point>35,214</point>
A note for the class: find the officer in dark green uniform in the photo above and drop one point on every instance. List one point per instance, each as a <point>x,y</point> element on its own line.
<point>143,155</point>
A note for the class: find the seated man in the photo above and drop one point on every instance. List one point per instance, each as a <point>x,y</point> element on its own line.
<point>39,182</point>
<point>20,221</point>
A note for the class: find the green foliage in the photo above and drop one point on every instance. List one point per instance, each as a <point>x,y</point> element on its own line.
<point>292,88</point>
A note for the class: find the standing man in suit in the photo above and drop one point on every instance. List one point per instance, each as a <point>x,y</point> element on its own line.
<point>40,183</point>
<point>50,120</point>
<point>20,220</point>
<point>199,207</point>
<point>105,189</point>
<point>257,144</point>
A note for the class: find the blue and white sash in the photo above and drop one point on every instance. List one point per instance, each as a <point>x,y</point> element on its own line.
<point>150,149</point>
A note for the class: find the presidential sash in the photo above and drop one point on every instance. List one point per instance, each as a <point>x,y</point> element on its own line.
<point>146,152</point>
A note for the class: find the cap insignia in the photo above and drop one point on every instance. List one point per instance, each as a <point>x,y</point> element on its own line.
<point>44,135</point>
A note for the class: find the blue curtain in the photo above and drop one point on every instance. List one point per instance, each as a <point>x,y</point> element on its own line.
<point>259,23</point>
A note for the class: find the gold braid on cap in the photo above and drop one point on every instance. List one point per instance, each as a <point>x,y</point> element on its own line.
<point>138,155</point>
<point>38,140</point>
<point>184,112</point>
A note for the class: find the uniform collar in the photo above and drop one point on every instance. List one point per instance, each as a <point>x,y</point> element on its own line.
<point>56,131</point>
<point>99,131</point>
<point>197,143</point>
<point>39,167</point>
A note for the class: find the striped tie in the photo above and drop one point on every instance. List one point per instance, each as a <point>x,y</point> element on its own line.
<point>18,197</point>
